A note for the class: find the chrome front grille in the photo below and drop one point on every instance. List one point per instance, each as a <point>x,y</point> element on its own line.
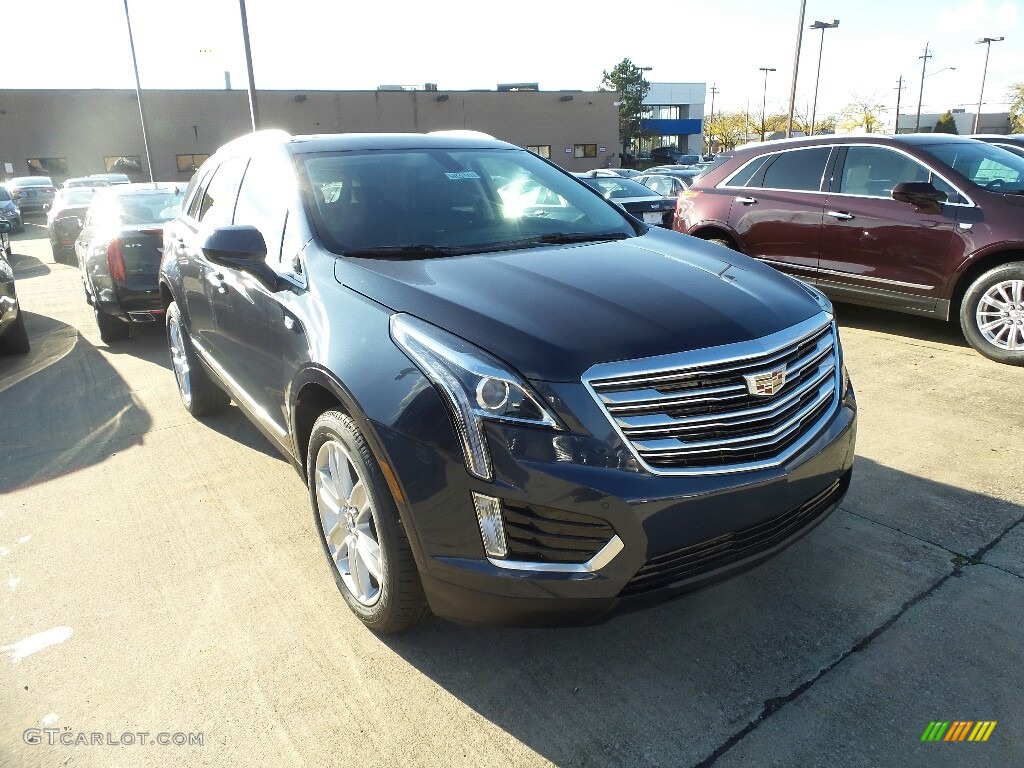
<point>693,413</point>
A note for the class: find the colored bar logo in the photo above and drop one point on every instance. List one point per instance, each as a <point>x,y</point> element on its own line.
<point>959,730</point>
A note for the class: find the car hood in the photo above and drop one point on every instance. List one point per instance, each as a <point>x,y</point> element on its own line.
<point>553,312</point>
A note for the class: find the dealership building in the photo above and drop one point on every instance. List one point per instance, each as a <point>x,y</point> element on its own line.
<point>66,133</point>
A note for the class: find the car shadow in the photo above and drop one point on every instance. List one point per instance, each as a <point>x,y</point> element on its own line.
<point>27,266</point>
<point>669,685</point>
<point>900,324</point>
<point>64,407</point>
<point>149,342</point>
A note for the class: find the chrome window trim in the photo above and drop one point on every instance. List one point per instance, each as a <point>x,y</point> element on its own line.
<point>969,204</point>
<point>726,185</point>
<point>729,353</point>
<point>606,554</point>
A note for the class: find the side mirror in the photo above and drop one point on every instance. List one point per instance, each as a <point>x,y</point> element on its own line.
<point>5,227</point>
<point>920,194</point>
<point>241,247</point>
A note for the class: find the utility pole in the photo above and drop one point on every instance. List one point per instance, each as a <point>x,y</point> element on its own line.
<point>899,94</point>
<point>920,93</point>
<point>711,115</point>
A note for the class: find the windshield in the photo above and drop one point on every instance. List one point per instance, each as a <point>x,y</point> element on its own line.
<point>147,208</point>
<point>31,181</point>
<point>4,194</point>
<point>986,165</point>
<point>75,196</point>
<point>429,202</point>
<point>618,188</point>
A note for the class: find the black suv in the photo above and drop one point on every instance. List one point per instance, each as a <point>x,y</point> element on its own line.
<point>512,402</point>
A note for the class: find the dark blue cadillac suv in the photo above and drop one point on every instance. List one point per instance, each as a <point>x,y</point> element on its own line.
<point>512,402</point>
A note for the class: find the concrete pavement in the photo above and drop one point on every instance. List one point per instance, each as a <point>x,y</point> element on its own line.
<point>161,575</point>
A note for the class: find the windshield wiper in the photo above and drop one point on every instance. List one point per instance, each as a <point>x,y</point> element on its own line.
<point>560,238</point>
<point>400,251</point>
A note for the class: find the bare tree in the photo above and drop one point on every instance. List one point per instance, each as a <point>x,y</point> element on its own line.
<point>865,113</point>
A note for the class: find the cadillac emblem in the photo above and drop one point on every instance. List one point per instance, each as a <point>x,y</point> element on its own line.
<point>766,384</point>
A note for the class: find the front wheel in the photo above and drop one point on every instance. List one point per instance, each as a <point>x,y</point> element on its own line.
<point>360,529</point>
<point>992,314</point>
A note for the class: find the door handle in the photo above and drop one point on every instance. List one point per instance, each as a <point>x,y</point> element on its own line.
<point>179,246</point>
<point>745,200</point>
<point>841,215</point>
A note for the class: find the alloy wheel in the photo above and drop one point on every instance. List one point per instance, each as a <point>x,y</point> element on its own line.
<point>1000,315</point>
<point>349,522</point>
<point>179,360</point>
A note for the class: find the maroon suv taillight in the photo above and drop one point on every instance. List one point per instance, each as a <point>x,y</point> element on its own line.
<point>115,260</point>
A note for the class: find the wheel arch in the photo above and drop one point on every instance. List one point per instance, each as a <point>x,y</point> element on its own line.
<point>715,232</point>
<point>976,269</point>
<point>316,390</point>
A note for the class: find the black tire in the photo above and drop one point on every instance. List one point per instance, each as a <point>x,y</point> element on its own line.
<point>199,394</point>
<point>1003,341</point>
<point>15,341</point>
<point>112,330</point>
<point>399,603</point>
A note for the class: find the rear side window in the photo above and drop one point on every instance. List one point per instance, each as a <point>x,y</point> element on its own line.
<point>798,170</point>
<point>747,172</point>
<point>218,201</point>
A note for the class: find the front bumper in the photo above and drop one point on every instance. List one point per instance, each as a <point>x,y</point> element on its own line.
<point>678,534</point>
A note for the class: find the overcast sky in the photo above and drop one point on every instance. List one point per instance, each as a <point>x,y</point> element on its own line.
<point>561,44</point>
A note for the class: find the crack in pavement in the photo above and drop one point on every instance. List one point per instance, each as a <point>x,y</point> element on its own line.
<point>967,559</point>
<point>773,705</point>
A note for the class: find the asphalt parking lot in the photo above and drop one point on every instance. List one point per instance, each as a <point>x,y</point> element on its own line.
<point>162,576</point>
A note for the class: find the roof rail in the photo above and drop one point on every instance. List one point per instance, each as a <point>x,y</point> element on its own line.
<point>461,133</point>
<point>257,137</point>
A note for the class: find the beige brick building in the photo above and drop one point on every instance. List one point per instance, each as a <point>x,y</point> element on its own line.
<point>78,132</point>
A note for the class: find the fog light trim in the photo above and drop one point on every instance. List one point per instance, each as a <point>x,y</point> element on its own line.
<point>492,525</point>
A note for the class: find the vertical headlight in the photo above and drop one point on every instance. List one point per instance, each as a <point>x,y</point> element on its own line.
<point>475,385</point>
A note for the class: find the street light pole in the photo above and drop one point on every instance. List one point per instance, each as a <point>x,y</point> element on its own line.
<point>796,66</point>
<point>822,25</point>
<point>920,93</point>
<point>988,49</point>
<point>254,111</point>
<point>138,93</point>
<point>764,98</point>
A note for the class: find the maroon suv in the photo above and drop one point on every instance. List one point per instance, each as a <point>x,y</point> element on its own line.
<point>924,223</point>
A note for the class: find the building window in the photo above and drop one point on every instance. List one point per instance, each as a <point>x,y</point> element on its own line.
<point>127,164</point>
<point>584,150</point>
<point>47,166</point>
<point>190,163</point>
<point>543,150</point>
